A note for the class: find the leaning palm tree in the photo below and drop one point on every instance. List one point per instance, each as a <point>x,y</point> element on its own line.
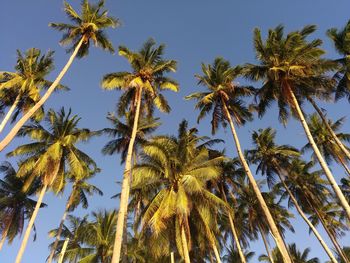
<point>20,90</point>
<point>141,88</point>
<point>272,159</point>
<point>224,99</point>
<point>87,27</point>
<point>80,190</point>
<point>297,256</point>
<point>292,68</point>
<point>327,145</point>
<point>16,206</point>
<point>52,154</point>
<point>180,168</point>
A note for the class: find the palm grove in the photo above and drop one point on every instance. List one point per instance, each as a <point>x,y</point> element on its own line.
<point>181,199</point>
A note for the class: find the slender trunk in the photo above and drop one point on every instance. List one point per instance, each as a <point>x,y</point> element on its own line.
<point>9,137</point>
<point>331,236</point>
<point>312,227</point>
<point>342,162</point>
<point>124,198</point>
<point>323,164</point>
<point>125,240</point>
<point>234,232</point>
<point>329,128</point>
<point>266,244</point>
<point>172,258</point>
<point>216,252</point>
<point>30,225</point>
<point>9,113</point>
<point>5,232</point>
<point>58,236</point>
<point>185,245</point>
<point>63,251</point>
<point>272,225</point>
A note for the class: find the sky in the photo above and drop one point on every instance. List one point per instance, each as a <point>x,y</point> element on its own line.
<point>194,32</point>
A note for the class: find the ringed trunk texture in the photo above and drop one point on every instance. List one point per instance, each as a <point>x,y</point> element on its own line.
<point>266,244</point>
<point>185,245</point>
<point>322,162</point>
<point>9,137</point>
<point>9,113</point>
<point>58,236</point>
<point>329,128</point>
<point>312,227</point>
<point>272,225</point>
<point>124,198</point>
<point>30,225</point>
<point>234,232</point>
<point>63,251</point>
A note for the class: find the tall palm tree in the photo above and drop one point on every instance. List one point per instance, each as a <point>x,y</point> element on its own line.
<point>53,153</point>
<point>80,189</point>
<point>180,168</point>
<point>328,147</point>
<point>297,256</point>
<point>86,27</point>
<point>16,206</point>
<point>224,99</point>
<point>272,159</point>
<point>20,90</point>
<point>141,87</point>
<point>341,41</point>
<point>292,68</point>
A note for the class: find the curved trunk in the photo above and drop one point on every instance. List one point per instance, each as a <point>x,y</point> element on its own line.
<point>9,113</point>
<point>9,137</point>
<point>312,227</point>
<point>266,244</point>
<point>63,251</point>
<point>30,225</point>
<point>58,236</point>
<point>323,164</point>
<point>272,225</point>
<point>216,252</point>
<point>124,198</point>
<point>329,128</point>
<point>234,232</point>
<point>185,245</point>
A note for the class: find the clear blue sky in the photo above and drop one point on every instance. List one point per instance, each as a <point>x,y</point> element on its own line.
<point>194,32</point>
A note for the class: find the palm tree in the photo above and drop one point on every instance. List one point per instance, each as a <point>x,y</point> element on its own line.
<point>341,41</point>
<point>80,189</point>
<point>141,87</point>
<point>233,256</point>
<point>224,99</point>
<point>291,68</point>
<point>297,256</point>
<point>328,147</point>
<point>87,27</point>
<point>51,156</point>
<point>180,168</point>
<point>272,159</point>
<point>20,90</point>
<point>16,206</point>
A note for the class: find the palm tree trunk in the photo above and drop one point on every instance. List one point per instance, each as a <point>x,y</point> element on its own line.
<point>329,128</point>
<point>58,236</point>
<point>266,244</point>
<point>124,198</point>
<point>63,251</point>
<point>331,236</point>
<point>312,227</point>
<point>185,245</point>
<point>30,224</point>
<point>125,243</point>
<point>234,232</point>
<point>9,113</point>
<point>279,241</point>
<point>9,137</point>
<point>342,162</point>
<point>216,252</point>
<point>323,164</point>
<point>172,258</point>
